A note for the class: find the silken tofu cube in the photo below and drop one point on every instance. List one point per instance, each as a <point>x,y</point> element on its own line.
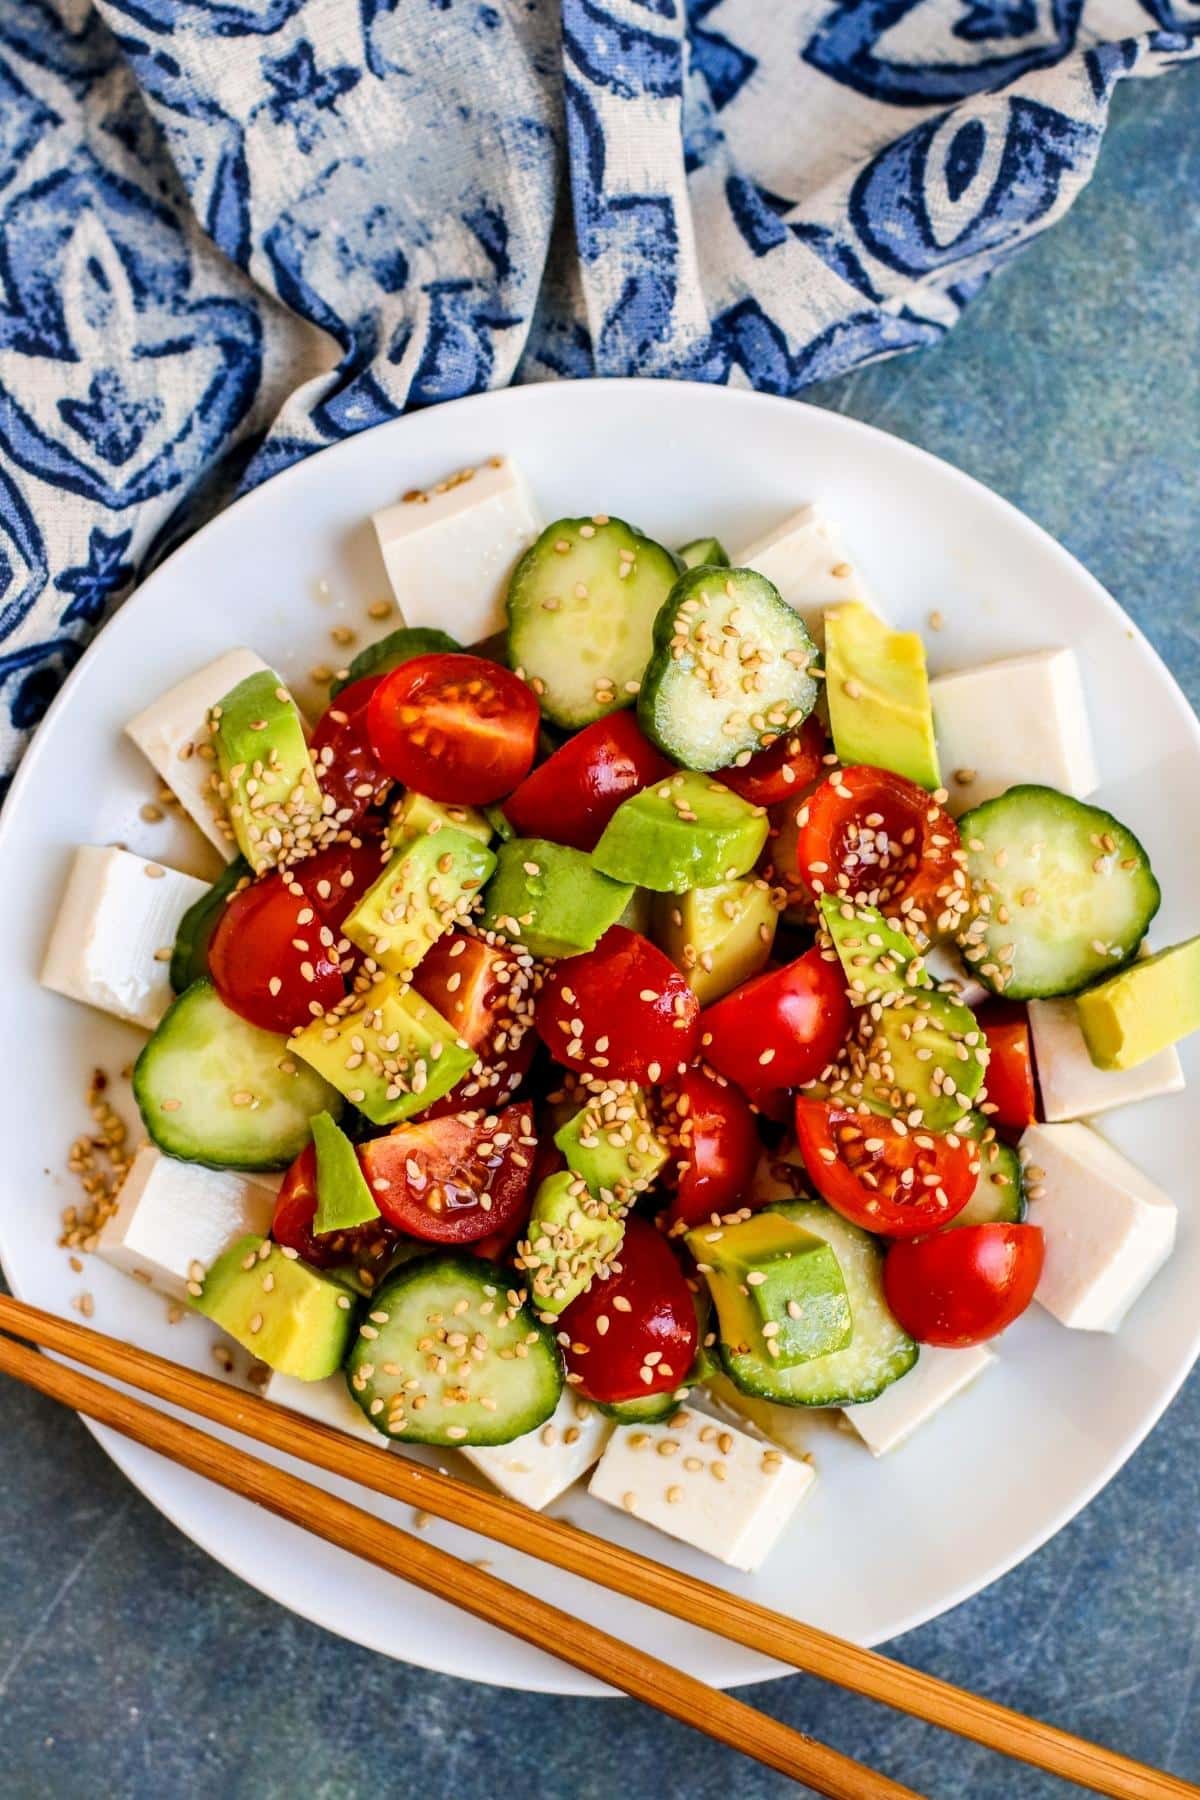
<point>114,932</point>
<point>805,558</point>
<point>537,1468</point>
<point>936,1377</point>
<point>173,1218</point>
<point>1108,1230</point>
<point>718,1489</point>
<point>1072,1087</point>
<point>1022,719</point>
<point>449,551</point>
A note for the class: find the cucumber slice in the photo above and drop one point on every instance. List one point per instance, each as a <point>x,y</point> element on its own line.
<point>703,553</point>
<point>651,1410</point>
<point>189,958</point>
<point>485,1372</point>
<point>999,1196</point>
<point>730,669</point>
<point>212,1089</point>
<point>1063,893</point>
<point>581,612</point>
<point>396,648</point>
<point>880,1350</point>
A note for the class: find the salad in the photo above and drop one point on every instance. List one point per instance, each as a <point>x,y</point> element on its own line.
<point>611,1043</point>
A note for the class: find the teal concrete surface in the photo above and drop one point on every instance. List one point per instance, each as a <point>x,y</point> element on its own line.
<point>131,1665</point>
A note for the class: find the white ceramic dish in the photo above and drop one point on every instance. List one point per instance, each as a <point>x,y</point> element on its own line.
<point>880,1547</point>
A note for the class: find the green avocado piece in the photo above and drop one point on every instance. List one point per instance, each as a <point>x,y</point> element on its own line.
<point>1146,1008</point>
<point>406,1055</point>
<point>703,553</point>
<point>286,1313</point>
<point>343,1198</point>
<point>396,648</point>
<point>413,815</point>
<point>688,831</point>
<point>925,1055</point>
<point>189,958</point>
<point>265,775</point>
<point>880,962</point>
<point>718,936</point>
<point>878,694</point>
<point>613,1146</point>
<point>429,885</point>
<point>572,1238</point>
<point>777,1288</point>
<point>551,898</point>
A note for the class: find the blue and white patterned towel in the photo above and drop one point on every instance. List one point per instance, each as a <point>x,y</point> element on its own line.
<point>232,231</point>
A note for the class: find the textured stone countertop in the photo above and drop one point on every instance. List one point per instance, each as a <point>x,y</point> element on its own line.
<point>131,1665</point>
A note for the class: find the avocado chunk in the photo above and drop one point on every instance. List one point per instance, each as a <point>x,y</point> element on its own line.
<point>703,553</point>
<point>550,898</point>
<point>391,1055</point>
<point>638,912</point>
<point>572,1237</point>
<point>265,775</point>
<point>777,1288</point>
<point>413,815</point>
<point>283,1311</point>
<point>880,963</point>
<point>429,885</point>
<point>343,1198</point>
<point>878,692</point>
<point>923,1058</point>
<point>718,936</point>
<point>612,1145</point>
<point>1147,1007</point>
<point>688,831</point>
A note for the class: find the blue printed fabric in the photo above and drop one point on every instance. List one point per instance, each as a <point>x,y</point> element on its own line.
<point>232,231</point>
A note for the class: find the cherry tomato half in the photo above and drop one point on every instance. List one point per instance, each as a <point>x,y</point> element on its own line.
<point>487,995</point>
<point>874,836</point>
<point>366,1248</point>
<point>571,797</point>
<point>646,1345</point>
<point>966,1285</point>
<point>784,769</point>
<point>336,879</point>
<point>780,1029</point>
<point>622,1010</point>
<point>269,959</point>
<point>1011,1102</point>
<point>714,1137</point>
<point>455,728</point>
<point>900,1184</point>
<point>456,1179</point>
<point>347,768</point>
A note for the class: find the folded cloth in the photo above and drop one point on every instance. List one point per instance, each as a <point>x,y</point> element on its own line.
<point>232,231</point>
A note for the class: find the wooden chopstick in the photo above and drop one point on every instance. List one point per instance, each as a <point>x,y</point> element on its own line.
<point>474,1590</point>
<point>685,1597</point>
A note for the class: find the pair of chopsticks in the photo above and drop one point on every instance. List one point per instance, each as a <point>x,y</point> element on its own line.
<point>498,1603</point>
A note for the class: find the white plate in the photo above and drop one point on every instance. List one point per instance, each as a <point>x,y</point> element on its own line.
<point>878,1548</point>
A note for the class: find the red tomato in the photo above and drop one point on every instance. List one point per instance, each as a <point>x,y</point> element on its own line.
<point>486,993</point>
<point>336,879</point>
<point>715,1139</point>
<point>638,1019</point>
<point>453,1180</point>
<point>900,1184</point>
<point>781,1028</point>
<point>455,728</point>
<point>367,1247</point>
<point>874,836</point>
<point>792,763</point>
<point>575,792</point>
<point>347,767</point>
<point>268,959</point>
<point>966,1285</point>
<point>1011,1104</point>
<point>645,1347</point>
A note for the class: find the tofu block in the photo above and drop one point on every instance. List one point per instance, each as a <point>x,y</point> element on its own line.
<point>1072,1087</point>
<point>944,964</point>
<point>174,1215</point>
<point>117,917</point>
<point>1108,1229</point>
<point>807,561</point>
<point>935,1378</point>
<point>722,1491</point>
<point>328,1402</point>
<point>449,552</point>
<point>537,1468</point>
<point>1020,719</point>
<point>173,730</point>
